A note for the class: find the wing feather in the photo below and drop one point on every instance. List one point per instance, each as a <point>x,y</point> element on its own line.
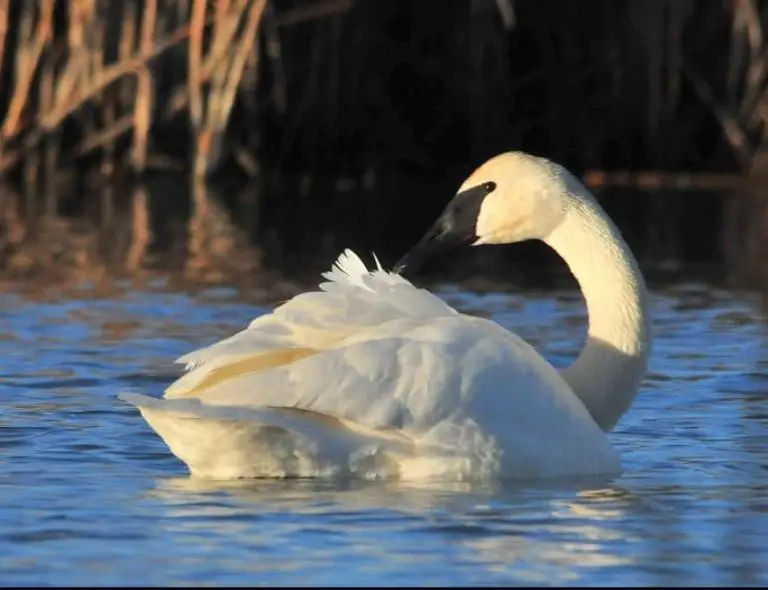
<point>408,378</point>
<point>353,304</point>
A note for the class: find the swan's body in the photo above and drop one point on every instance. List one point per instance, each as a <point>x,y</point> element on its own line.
<point>372,377</point>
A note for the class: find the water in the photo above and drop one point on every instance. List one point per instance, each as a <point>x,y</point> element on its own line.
<point>89,495</point>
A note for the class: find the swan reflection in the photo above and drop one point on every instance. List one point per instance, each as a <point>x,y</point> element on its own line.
<point>542,534</point>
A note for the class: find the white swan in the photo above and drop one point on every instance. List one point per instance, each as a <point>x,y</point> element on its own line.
<point>371,377</point>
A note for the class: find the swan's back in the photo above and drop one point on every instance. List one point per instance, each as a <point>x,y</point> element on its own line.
<point>352,303</point>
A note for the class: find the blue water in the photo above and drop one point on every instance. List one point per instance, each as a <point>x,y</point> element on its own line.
<point>90,495</point>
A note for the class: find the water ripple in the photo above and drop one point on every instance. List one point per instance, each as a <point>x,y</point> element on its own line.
<point>90,496</point>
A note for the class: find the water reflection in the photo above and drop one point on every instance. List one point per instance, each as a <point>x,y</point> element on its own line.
<point>553,535</point>
<point>510,531</point>
<point>87,491</point>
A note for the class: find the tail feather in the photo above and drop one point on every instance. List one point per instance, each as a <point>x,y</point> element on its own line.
<point>225,442</point>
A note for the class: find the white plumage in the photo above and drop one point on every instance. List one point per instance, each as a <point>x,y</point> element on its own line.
<point>372,377</point>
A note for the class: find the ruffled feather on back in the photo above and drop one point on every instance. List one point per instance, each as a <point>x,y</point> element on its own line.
<point>352,302</point>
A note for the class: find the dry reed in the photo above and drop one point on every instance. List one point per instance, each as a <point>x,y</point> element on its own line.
<point>103,67</point>
<point>338,92</point>
<point>100,68</point>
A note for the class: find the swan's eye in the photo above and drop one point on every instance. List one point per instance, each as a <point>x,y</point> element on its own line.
<point>489,187</point>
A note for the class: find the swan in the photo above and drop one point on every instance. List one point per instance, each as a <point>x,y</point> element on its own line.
<point>372,377</point>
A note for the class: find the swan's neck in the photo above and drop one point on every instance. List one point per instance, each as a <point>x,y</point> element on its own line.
<point>607,374</point>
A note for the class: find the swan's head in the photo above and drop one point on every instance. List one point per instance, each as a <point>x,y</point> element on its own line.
<point>511,198</point>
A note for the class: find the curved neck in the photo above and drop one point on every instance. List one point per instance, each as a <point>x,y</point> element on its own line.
<point>607,374</point>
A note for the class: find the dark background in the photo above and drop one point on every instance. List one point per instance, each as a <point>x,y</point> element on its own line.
<point>354,122</point>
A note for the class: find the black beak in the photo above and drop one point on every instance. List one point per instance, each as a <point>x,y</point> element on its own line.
<point>435,241</point>
<point>455,227</point>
